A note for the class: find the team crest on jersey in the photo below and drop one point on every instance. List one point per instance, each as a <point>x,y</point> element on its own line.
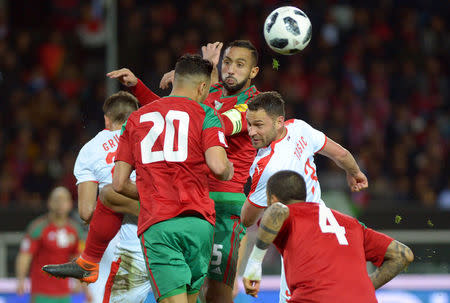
<point>217,105</point>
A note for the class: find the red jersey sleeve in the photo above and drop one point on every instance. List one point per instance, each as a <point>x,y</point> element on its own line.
<point>125,150</point>
<point>143,93</point>
<point>212,131</point>
<point>281,239</point>
<point>29,245</point>
<point>375,246</point>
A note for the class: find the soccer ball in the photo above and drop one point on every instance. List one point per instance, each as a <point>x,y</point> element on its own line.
<point>287,30</point>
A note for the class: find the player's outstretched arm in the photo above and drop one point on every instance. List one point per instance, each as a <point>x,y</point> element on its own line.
<point>138,88</point>
<point>87,199</point>
<point>343,158</point>
<point>217,161</point>
<point>121,180</point>
<point>396,258</point>
<point>271,223</point>
<point>117,202</point>
<point>211,52</point>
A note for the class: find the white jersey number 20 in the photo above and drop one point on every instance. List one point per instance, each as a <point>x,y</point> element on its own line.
<point>159,122</point>
<point>325,217</point>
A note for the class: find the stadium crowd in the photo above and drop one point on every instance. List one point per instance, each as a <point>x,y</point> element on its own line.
<point>375,77</point>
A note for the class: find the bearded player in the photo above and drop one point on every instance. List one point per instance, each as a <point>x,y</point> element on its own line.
<point>324,252</point>
<point>229,98</point>
<point>288,145</point>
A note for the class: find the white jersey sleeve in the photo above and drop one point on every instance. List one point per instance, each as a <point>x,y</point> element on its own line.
<point>83,169</point>
<point>315,137</point>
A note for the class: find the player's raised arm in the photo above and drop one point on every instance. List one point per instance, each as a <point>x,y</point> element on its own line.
<point>271,223</point>
<point>211,52</point>
<point>137,87</point>
<point>396,258</point>
<point>343,158</point>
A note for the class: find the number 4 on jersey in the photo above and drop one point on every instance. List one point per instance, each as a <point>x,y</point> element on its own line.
<point>328,224</point>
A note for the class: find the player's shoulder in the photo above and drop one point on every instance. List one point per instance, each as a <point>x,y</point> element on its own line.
<point>36,227</point>
<point>102,135</point>
<point>216,87</point>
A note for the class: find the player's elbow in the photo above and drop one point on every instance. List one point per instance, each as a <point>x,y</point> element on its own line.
<point>86,212</point>
<point>221,169</point>
<point>118,185</point>
<point>247,222</point>
<point>408,255</point>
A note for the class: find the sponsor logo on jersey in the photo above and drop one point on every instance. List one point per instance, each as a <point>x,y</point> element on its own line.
<point>217,105</point>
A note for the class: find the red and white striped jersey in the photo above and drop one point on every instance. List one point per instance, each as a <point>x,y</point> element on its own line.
<point>295,151</point>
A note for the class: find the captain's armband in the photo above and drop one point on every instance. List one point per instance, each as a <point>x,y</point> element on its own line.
<point>236,117</point>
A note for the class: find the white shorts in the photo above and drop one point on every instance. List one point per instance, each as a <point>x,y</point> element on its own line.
<point>97,289</point>
<point>128,280</point>
<point>285,293</point>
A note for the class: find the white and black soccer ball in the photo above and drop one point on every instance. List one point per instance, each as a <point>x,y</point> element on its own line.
<point>287,30</point>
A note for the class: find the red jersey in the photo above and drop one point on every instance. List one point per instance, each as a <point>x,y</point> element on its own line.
<point>325,253</point>
<point>240,151</point>
<point>165,141</point>
<point>48,244</point>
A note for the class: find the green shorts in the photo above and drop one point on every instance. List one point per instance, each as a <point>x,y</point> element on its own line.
<point>177,254</point>
<point>50,299</point>
<point>228,234</point>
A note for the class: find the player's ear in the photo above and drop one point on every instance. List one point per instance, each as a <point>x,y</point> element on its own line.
<point>107,122</point>
<point>280,121</point>
<point>254,71</point>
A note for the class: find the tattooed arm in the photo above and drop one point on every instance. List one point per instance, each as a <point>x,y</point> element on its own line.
<point>269,227</point>
<point>397,257</point>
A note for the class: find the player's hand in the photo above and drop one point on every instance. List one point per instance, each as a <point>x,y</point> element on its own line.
<point>125,76</point>
<point>20,287</point>
<point>357,182</point>
<point>251,287</point>
<point>211,52</point>
<point>167,79</point>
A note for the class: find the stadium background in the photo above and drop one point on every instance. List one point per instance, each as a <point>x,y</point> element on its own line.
<point>375,77</point>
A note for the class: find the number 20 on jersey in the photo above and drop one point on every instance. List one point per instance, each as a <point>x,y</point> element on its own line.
<point>159,123</point>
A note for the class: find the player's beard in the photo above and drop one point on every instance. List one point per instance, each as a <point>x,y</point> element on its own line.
<point>231,89</point>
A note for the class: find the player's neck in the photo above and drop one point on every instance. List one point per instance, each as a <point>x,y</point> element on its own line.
<point>228,93</point>
<point>281,134</point>
<point>181,92</point>
<point>115,126</point>
<point>57,220</point>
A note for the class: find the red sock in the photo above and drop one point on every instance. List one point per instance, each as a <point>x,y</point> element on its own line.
<point>104,225</point>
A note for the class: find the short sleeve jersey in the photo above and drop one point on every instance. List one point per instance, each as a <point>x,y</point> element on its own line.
<point>50,244</point>
<point>165,141</point>
<point>95,162</point>
<point>240,151</point>
<point>295,151</point>
<point>325,252</point>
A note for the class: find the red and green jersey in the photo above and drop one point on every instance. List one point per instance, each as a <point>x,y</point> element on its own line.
<point>50,244</point>
<point>240,151</point>
<point>165,141</point>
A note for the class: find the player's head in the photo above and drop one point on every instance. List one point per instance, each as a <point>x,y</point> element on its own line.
<point>192,77</point>
<point>287,187</point>
<point>117,108</point>
<point>60,202</point>
<point>239,66</point>
<point>265,118</point>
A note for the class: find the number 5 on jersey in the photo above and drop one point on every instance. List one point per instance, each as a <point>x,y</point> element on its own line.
<point>325,217</point>
<point>159,123</point>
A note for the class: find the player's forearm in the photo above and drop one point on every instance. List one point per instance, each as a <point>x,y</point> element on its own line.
<point>214,75</point>
<point>143,93</point>
<point>128,189</point>
<point>23,265</point>
<point>117,202</point>
<point>347,162</point>
<point>271,223</point>
<point>397,257</point>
